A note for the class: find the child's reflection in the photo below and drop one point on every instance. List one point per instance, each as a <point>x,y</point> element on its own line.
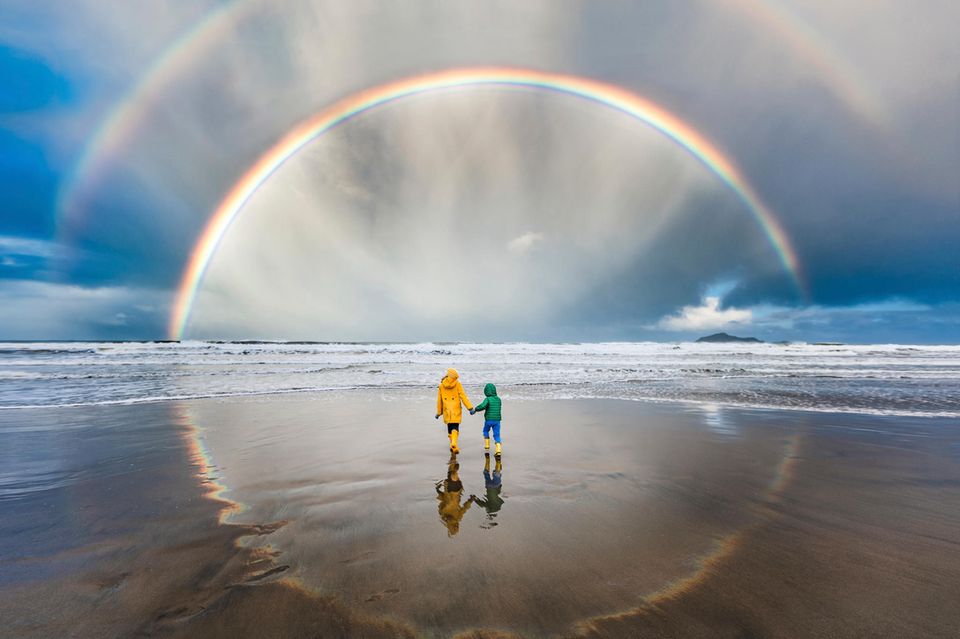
<point>494,485</point>
<point>451,512</point>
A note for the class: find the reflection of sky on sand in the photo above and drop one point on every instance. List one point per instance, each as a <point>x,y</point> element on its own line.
<point>32,460</point>
<point>724,548</point>
<point>728,544</point>
<point>99,490</point>
<point>609,502</point>
<point>714,418</point>
<point>785,470</point>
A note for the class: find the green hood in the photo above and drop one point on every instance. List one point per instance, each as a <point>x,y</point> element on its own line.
<point>490,405</point>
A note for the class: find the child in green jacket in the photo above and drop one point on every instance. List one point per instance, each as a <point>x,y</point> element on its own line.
<point>491,405</point>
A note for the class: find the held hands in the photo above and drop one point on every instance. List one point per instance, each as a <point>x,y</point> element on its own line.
<point>473,410</point>
<point>437,416</point>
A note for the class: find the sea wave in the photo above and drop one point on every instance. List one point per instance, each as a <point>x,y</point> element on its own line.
<point>876,379</point>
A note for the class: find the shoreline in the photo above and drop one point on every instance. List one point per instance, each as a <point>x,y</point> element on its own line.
<point>386,390</point>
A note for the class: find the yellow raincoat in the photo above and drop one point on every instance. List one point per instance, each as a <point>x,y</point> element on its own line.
<point>449,395</point>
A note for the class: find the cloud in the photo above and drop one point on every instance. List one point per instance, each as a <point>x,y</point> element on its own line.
<point>706,317</point>
<point>523,243</point>
<point>891,321</point>
<point>44,310</point>
<point>843,319</point>
<point>25,258</point>
<point>14,245</point>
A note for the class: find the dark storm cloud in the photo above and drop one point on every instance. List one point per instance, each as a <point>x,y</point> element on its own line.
<point>874,245</point>
<point>36,310</point>
<point>713,241</point>
<point>862,230</point>
<point>873,212</point>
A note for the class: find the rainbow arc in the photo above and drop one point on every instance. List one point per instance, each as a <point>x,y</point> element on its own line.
<point>606,95</point>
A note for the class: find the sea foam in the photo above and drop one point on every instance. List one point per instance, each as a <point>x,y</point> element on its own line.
<point>875,379</point>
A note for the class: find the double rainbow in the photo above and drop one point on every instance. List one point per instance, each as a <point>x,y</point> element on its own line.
<point>808,43</point>
<point>606,95</point>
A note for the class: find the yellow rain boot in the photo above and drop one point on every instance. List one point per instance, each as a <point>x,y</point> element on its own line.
<point>453,441</point>
<point>486,443</point>
<point>499,450</point>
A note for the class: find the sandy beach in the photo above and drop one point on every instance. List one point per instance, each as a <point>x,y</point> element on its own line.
<point>335,515</point>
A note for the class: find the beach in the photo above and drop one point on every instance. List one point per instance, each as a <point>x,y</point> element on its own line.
<point>322,514</point>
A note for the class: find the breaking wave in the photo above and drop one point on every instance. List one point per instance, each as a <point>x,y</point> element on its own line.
<point>872,379</point>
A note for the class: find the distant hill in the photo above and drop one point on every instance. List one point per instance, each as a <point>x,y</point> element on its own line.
<point>725,337</point>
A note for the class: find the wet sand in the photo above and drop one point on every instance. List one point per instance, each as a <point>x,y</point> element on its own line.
<point>342,515</point>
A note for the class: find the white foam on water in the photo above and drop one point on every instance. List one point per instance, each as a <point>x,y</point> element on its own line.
<point>889,379</point>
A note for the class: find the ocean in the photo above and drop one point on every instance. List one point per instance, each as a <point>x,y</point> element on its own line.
<point>904,380</point>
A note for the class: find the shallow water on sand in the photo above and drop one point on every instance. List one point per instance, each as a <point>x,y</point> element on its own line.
<point>597,511</point>
<point>607,518</point>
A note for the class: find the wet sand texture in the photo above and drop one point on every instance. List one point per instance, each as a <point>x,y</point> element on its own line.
<point>325,517</point>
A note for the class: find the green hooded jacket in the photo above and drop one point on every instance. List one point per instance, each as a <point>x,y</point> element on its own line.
<point>491,404</point>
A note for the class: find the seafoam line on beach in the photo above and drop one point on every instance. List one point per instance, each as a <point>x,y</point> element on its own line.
<point>846,410</point>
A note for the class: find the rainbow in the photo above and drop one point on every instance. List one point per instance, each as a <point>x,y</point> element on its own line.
<point>723,549</point>
<point>120,124</point>
<point>607,95</point>
<point>201,460</point>
<point>828,64</point>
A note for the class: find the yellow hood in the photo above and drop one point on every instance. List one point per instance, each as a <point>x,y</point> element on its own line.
<point>450,380</point>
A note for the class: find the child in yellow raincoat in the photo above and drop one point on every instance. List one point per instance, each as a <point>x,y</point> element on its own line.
<point>449,396</point>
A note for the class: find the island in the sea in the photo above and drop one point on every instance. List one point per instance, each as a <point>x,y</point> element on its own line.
<point>726,337</point>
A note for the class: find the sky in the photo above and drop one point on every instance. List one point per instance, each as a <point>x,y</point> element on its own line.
<point>482,212</point>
